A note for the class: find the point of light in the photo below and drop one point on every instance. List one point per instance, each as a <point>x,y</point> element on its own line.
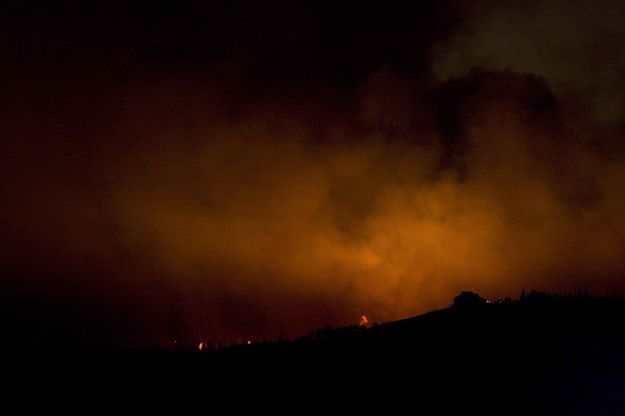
<point>200,346</point>
<point>249,342</point>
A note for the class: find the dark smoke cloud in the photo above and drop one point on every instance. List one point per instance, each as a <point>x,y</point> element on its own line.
<point>576,46</point>
<point>198,182</point>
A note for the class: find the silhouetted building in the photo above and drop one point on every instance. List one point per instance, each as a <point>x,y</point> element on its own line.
<point>467,298</point>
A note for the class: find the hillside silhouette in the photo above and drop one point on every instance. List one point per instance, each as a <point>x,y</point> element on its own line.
<point>540,354</point>
<point>552,354</point>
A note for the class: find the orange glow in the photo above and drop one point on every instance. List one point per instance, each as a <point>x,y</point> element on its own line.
<point>213,196</point>
<point>265,228</point>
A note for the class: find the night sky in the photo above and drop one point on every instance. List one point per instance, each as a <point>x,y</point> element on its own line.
<point>239,170</point>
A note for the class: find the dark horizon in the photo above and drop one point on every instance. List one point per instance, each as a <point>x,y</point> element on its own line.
<point>465,301</point>
<point>24,338</point>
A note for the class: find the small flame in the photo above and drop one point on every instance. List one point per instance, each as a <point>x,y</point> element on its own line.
<point>363,321</point>
<point>249,342</point>
<point>200,346</point>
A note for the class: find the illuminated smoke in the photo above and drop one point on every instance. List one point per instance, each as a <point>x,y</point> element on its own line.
<point>193,205</point>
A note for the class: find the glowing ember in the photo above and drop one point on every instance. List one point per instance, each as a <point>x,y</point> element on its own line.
<point>363,321</point>
<point>249,342</point>
<point>200,346</point>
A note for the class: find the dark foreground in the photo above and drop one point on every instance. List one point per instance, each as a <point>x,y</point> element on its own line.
<point>545,355</point>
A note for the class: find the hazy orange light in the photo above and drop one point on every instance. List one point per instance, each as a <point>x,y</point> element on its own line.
<point>363,321</point>
<point>249,342</point>
<point>200,346</point>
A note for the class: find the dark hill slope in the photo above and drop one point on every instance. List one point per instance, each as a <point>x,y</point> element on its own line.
<point>547,355</point>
